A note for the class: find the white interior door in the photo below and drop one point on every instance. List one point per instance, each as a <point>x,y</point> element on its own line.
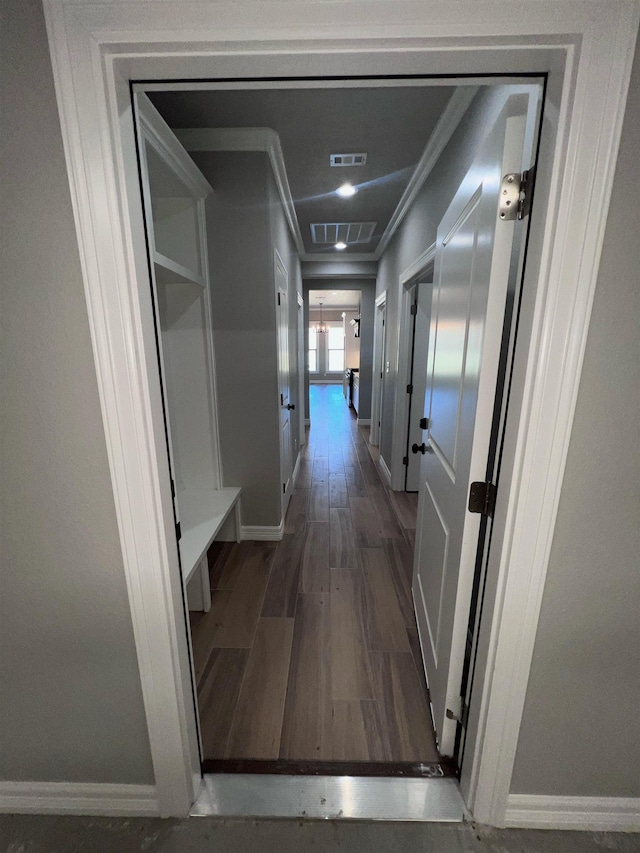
<point>474,249</point>
<point>284,382</point>
<point>422,318</point>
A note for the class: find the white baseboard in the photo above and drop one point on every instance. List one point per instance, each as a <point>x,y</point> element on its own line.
<point>296,470</point>
<point>263,534</point>
<point>384,470</point>
<point>364,421</point>
<point>80,798</point>
<point>596,814</point>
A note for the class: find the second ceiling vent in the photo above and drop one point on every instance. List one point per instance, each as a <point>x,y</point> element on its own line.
<point>347,232</point>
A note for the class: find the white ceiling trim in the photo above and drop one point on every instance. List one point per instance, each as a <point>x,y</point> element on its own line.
<point>266,139</point>
<point>249,139</point>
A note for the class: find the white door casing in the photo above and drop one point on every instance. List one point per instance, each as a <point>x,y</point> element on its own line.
<point>422,300</point>
<point>96,49</point>
<point>284,379</point>
<point>473,258</point>
<point>301,360</point>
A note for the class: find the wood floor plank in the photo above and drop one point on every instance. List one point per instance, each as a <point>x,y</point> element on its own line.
<point>227,567</point>
<point>284,580</point>
<point>414,642</point>
<point>350,667</point>
<point>217,698</point>
<point>338,496</point>
<point>385,625</point>
<point>237,624</point>
<point>336,462</point>
<point>297,512</point>
<point>306,730</point>
<point>405,715</point>
<point>370,473</point>
<point>365,523</point>
<point>343,553</point>
<point>320,472</point>
<point>203,634</point>
<point>257,723</point>
<point>405,505</point>
<point>389,526</point>
<point>315,573</point>
<point>319,501</point>
<point>356,731</point>
<point>399,557</point>
<point>356,486</point>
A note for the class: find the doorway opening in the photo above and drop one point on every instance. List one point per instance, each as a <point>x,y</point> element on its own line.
<point>307,657</point>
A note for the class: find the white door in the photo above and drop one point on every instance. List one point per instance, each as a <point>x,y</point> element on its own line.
<point>284,382</point>
<point>422,318</point>
<point>474,249</point>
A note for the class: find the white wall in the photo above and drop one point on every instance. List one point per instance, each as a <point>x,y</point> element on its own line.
<point>70,703</point>
<point>580,733</point>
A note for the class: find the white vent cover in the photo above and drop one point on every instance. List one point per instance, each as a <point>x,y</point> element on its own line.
<point>347,159</point>
<point>346,232</point>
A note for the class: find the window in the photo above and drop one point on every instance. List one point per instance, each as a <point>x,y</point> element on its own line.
<point>326,349</point>
<point>313,350</point>
<point>335,349</point>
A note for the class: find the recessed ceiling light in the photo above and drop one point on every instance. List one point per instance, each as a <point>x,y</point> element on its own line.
<point>341,245</point>
<point>346,190</point>
<point>334,292</point>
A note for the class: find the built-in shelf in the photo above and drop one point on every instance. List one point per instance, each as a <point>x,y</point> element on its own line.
<point>202,514</point>
<point>170,272</point>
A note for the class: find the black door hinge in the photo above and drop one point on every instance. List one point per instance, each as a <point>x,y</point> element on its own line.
<point>424,423</point>
<point>482,498</point>
<point>284,488</point>
<point>409,389</point>
<point>278,299</point>
<point>405,460</point>
<point>178,532</point>
<point>414,309</point>
<point>460,712</point>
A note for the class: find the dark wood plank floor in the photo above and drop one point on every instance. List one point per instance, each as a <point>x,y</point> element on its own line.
<point>310,649</point>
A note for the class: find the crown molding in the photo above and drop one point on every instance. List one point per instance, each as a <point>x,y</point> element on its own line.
<point>442,133</point>
<point>266,139</point>
<point>249,139</point>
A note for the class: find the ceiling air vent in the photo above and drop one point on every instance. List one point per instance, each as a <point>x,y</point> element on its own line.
<point>347,232</point>
<point>347,159</point>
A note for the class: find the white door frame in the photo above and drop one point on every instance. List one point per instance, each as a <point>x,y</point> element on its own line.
<point>376,379</point>
<point>406,280</point>
<point>302,433</point>
<point>587,47</point>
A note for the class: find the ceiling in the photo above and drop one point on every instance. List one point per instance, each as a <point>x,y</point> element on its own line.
<point>334,299</point>
<point>391,124</point>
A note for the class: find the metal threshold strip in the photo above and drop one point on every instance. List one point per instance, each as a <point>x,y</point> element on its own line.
<point>330,797</point>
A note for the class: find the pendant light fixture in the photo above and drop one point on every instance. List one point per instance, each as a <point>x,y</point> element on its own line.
<point>320,327</point>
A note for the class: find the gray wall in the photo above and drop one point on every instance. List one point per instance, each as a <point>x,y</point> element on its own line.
<point>367,288</point>
<point>70,704</point>
<point>243,303</point>
<point>418,231</point>
<point>580,733</point>
<point>282,240</point>
<point>245,222</point>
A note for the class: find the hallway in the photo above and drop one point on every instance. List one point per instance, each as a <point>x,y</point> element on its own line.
<point>310,650</point>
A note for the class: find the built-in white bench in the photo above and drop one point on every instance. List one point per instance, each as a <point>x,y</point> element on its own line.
<point>203,514</point>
